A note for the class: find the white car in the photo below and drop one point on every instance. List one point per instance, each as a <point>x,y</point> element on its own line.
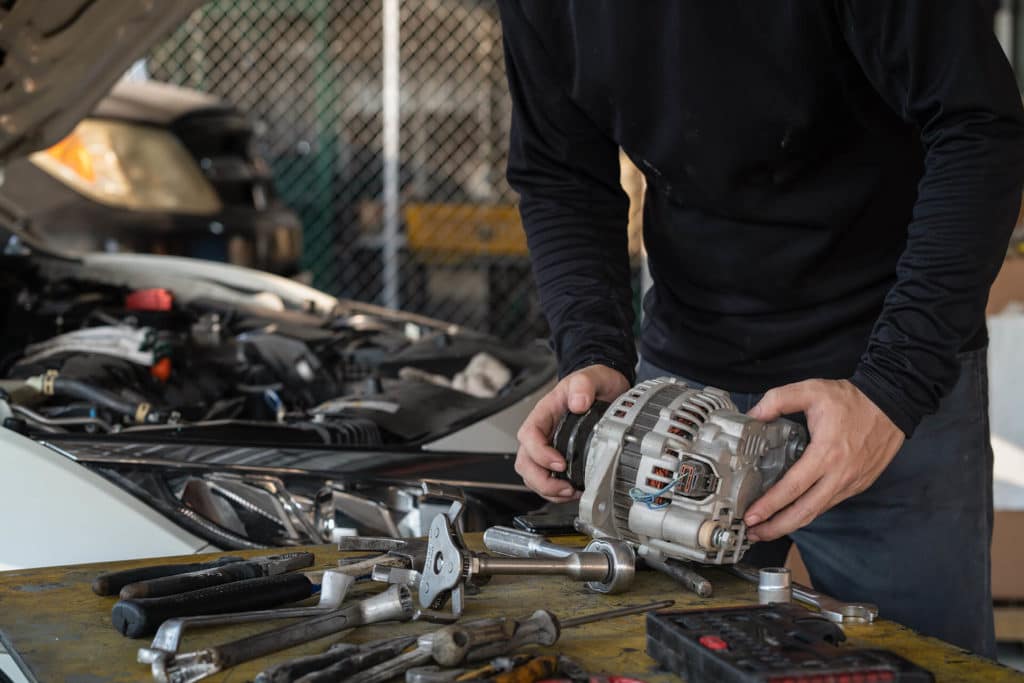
<point>157,405</point>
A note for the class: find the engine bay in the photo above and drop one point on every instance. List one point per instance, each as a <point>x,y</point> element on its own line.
<point>87,357</point>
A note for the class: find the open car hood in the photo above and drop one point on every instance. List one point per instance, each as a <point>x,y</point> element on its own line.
<point>59,57</point>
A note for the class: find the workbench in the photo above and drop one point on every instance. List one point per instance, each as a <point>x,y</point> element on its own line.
<point>62,630</point>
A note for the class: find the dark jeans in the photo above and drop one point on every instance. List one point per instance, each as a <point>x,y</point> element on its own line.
<point>916,542</point>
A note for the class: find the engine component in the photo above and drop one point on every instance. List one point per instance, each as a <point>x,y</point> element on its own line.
<point>53,384</point>
<point>672,469</point>
<point>119,341</point>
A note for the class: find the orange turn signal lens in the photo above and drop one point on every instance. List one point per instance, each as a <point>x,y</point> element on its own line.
<point>73,155</point>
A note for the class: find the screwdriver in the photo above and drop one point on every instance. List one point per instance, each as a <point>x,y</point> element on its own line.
<point>482,639</point>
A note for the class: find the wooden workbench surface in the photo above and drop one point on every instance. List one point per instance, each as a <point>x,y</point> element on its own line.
<point>63,632</point>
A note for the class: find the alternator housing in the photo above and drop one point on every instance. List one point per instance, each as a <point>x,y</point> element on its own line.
<point>673,469</point>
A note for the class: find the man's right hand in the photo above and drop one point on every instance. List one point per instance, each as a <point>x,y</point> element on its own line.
<point>536,459</point>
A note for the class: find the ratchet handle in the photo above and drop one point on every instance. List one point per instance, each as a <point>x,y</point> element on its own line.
<point>111,583</point>
<point>140,617</point>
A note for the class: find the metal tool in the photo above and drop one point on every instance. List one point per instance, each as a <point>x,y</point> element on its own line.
<point>136,618</point>
<point>394,604</point>
<point>607,566</point>
<point>339,662</point>
<point>539,668</point>
<point>774,585</point>
<point>834,610</point>
<point>400,562</point>
<point>217,575</point>
<point>111,583</point>
<point>483,639</point>
<point>518,543</point>
<point>401,553</point>
<point>432,673</point>
<point>680,572</point>
<point>334,586</point>
<point>506,540</point>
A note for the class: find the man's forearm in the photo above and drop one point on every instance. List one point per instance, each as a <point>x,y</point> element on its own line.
<point>943,71</point>
<point>581,267</point>
<point>574,210</point>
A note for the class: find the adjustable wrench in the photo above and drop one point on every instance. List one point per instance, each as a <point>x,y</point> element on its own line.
<point>831,608</point>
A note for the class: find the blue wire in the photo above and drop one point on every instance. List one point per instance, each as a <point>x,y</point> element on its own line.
<point>648,498</point>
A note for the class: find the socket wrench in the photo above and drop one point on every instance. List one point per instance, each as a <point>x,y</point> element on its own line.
<point>831,608</point>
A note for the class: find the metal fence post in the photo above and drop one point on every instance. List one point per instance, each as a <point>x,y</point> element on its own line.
<point>392,124</point>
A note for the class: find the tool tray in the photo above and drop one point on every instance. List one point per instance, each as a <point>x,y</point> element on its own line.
<point>779,643</point>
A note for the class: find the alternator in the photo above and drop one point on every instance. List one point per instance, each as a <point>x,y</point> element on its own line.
<point>673,469</point>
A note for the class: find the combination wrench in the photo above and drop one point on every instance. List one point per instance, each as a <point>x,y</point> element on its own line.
<point>394,604</point>
<point>831,608</point>
<point>334,587</point>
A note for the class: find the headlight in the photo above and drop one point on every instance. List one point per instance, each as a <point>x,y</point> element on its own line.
<point>129,166</point>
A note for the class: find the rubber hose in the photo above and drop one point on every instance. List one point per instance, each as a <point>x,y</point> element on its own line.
<point>87,392</point>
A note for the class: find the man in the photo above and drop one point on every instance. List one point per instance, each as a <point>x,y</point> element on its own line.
<point>831,189</point>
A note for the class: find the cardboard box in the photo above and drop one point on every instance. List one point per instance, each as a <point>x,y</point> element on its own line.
<point>1008,287</point>
<point>1008,555</point>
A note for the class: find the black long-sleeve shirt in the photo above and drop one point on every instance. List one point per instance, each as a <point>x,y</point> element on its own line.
<point>831,185</point>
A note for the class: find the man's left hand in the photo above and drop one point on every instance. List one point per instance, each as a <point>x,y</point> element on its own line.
<point>852,442</point>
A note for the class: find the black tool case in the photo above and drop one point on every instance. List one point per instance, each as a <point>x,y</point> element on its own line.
<point>781,643</point>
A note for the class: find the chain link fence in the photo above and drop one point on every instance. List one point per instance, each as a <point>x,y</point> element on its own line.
<point>385,123</point>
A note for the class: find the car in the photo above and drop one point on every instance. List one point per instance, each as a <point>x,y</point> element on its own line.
<point>157,405</point>
<point>156,168</point>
